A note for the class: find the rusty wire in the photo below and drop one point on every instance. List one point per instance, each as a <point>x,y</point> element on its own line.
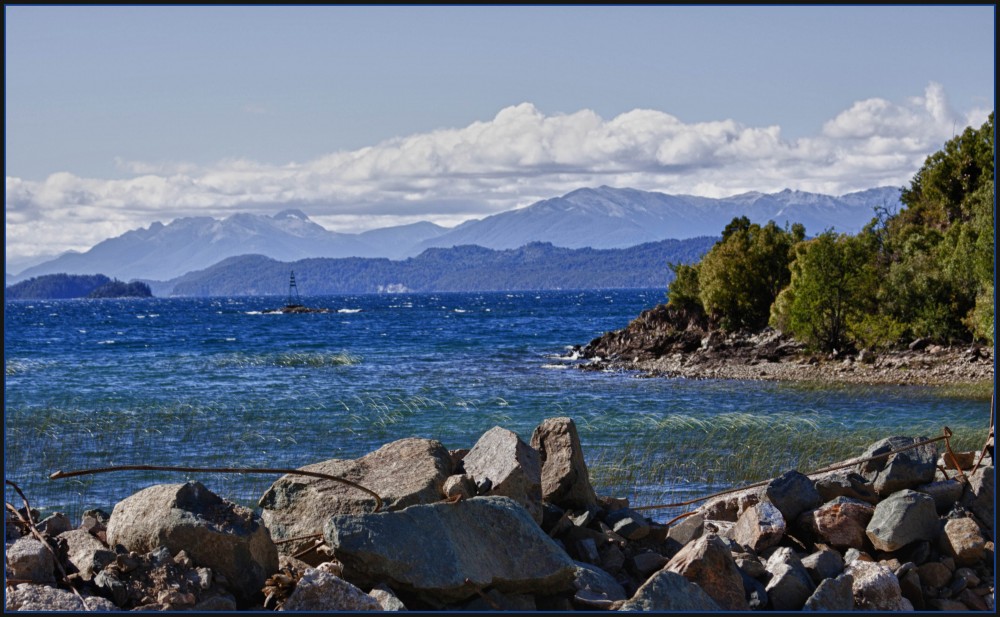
<point>946,435</point>
<point>314,474</point>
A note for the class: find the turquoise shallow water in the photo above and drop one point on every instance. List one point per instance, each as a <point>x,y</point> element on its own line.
<point>216,382</point>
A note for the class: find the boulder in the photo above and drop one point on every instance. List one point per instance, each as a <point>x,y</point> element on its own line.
<point>687,529</point>
<point>55,524</point>
<point>459,486</point>
<point>840,523</point>
<point>565,480</point>
<point>511,467</point>
<point>934,574</point>
<point>669,591</point>
<point>708,562</point>
<point>759,526</point>
<point>215,533</point>
<point>876,588</point>
<point>28,597</point>
<point>449,550</point>
<point>386,598</point>
<point>832,594</point>
<point>600,583</point>
<point>845,484</point>
<point>320,591</point>
<point>790,585</point>
<point>403,473</point>
<point>946,493</point>
<point>903,470</point>
<point>88,554</point>
<point>906,516</point>
<point>792,493</point>
<point>30,560</point>
<point>979,498</point>
<point>823,564</point>
<point>964,541</point>
<point>628,523</point>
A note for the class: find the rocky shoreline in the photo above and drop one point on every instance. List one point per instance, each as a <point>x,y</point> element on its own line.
<point>515,525</point>
<point>654,346</point>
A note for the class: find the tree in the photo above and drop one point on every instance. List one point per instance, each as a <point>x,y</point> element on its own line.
<point>829,291</point>
<point>742,275</point>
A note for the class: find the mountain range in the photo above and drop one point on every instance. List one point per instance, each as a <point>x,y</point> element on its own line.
<point>599,218</point>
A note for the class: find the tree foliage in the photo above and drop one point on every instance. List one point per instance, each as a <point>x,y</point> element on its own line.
<point>742,275</point>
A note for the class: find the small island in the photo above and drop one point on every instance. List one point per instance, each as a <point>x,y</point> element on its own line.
<point>70,286</point>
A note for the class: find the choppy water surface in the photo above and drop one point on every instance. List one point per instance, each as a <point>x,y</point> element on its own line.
<point>218,382</point>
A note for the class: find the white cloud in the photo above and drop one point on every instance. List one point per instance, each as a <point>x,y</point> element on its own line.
<point>518,157</point>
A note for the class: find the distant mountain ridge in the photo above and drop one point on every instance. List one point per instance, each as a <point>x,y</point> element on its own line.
<point>535,266</point>
<point>601,218</point>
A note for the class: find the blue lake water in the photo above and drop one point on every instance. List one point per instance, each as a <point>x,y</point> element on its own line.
<point>216,382</point>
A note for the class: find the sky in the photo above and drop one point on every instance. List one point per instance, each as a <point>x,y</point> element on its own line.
<point>372,116</point>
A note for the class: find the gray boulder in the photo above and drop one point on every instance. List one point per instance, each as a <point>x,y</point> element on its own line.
<point>823,564</point>
<point>386,598</point>
<point>511,467</point>
<point>708,562</point>
<point>669,591</point>
<point>906,516</point>
<point>603,585</point>
<point>565,480</point>
<point>979,496</point>
<point>215,533</point>
<point>946,493</point>
<point>792,493</point>
<point>30,560</point>
<point>790,585</point>
<point>845,484</point>
<point>832,594</point>
<point>321,591</point>
<point>903,470</point>
<point>449,550</point>
<point>88,554</point>
<point>403,473</point>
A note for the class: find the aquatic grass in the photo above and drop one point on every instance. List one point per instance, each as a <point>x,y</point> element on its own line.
<point>286,360</point>
<point>680,457</point>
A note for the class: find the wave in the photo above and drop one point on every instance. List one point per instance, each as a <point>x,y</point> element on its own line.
<point>347,310</point>
<point>286,359</point>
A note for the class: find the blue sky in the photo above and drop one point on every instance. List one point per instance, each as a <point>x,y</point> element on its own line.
<point>370,116</point>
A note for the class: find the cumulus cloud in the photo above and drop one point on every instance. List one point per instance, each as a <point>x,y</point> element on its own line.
<point>520,156</point>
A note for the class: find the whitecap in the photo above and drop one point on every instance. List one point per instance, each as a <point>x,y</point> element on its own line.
<point>347,310</point>
<point>555,366</point>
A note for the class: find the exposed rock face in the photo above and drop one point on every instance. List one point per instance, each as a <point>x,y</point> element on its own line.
<point>565,481</point>
<point>435,549</point>
<point>669,591</point>
<point>708,562</point>
<point>512,468</point>
<point>215,533</point>
<point>403,473</point>
<point>906,516</point>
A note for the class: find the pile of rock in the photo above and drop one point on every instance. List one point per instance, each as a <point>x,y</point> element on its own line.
<point>510,525</point>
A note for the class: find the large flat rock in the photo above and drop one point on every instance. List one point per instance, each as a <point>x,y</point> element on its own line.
<point>403,473</point>
<point>449,550</point>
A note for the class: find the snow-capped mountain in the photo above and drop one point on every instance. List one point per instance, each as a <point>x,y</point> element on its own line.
<point>600,218</point>
<point>608,217</point>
